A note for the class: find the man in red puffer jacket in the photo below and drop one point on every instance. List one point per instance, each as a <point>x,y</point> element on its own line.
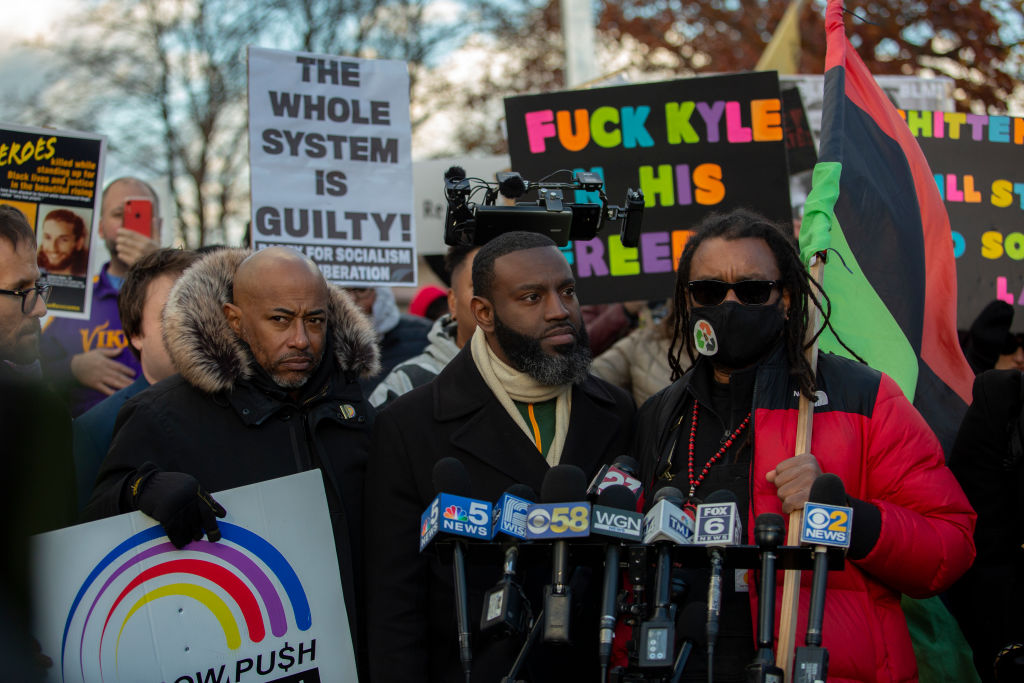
<point>730,423</point>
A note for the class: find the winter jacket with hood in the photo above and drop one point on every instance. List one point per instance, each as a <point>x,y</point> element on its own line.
<point>867,433</point>
<point>224,421</point>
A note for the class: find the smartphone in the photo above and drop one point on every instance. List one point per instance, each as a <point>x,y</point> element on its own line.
<point>138,215</point>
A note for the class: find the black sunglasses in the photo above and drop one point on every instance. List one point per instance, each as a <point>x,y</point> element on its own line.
<point>749,292</point>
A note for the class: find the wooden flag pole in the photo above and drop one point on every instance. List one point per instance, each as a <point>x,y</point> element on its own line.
<point>805,415</point>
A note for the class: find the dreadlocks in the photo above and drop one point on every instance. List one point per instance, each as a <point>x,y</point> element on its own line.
<point>740,224</point>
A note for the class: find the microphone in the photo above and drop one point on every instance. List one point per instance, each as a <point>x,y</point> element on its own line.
<point>718,525</point>
<point>451,481</point>
<point>503,604</point>
<point>511,185</point>
<point>455,173</point>
<point>622,472</point>
<point>666,526</point>
<point>561,514</point>
<point>826,522</point>
<point>452,511</point>
<point>613,516</point>
<point>769,531</point>
<point>665,520</point>
<point>691,630</point>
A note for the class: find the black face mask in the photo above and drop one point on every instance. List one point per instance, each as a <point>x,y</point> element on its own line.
<point>734,335</point>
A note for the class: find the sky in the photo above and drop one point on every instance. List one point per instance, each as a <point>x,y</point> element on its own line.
<point>27,20</point>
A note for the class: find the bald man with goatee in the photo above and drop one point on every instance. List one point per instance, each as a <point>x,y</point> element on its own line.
<point>269,357</point>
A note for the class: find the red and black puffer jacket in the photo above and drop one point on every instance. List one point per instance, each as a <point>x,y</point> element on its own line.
<point>866,432</point>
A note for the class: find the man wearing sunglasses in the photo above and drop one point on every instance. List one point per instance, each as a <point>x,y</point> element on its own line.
<point>730,421</point>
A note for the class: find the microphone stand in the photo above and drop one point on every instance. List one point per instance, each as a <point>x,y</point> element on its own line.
<point>531,638</point>
<point>768,532</point>
<point>462,608</point>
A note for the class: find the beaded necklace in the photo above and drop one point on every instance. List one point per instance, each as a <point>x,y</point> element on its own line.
<point>694,483</point>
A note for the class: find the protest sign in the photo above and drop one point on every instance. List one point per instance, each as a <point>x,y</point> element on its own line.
<point>114,599</point>
<point>331,165</point>
<point>52,176</point>
<point>977,163</point>
<point>692,146</point>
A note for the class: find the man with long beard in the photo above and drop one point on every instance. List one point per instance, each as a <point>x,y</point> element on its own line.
<point>269,357</point>
<point>517,400</point>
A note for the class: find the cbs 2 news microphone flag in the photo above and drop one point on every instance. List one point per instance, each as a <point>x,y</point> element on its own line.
<point>875,204</point>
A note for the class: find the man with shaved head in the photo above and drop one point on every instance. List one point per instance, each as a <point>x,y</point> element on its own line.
<point>269,358</point>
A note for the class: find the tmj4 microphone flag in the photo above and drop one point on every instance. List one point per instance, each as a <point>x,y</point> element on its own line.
<point>875,203</point>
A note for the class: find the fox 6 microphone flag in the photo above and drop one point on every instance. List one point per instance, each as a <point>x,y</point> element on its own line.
<point>717,524</point>
<point>875,203</point>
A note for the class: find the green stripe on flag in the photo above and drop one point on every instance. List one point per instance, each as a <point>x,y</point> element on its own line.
<point>819,209</point>
<point>862,320</point>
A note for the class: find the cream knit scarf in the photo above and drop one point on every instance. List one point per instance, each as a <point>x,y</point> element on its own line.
<point>508,385</point>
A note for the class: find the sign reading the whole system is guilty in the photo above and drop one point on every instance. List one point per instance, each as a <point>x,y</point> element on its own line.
<point>692,146</point>
<point>330,153</point>
<point>976,160</point>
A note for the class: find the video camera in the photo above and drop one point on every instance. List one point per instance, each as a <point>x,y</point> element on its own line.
<point>470,223</point>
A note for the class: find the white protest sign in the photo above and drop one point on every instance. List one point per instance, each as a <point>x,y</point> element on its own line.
<point>330,154</point>
<point>116,601</point>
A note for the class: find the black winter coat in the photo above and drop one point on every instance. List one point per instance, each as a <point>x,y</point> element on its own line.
<point>226,423</point>
<point>989,600</point>
<point>411,617</point>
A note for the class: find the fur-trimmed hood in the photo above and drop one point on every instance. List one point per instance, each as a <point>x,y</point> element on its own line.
<point>209,355</point>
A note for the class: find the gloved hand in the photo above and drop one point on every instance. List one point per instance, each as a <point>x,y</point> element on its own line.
<point>178,502</point>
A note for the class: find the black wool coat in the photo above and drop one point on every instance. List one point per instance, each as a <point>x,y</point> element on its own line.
<point>410,603</point>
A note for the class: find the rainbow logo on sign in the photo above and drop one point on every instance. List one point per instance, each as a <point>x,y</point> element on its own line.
<point>252,574</point>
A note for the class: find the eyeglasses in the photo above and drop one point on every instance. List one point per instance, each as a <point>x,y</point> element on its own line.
<point>30,296</point>
<point>749,292</point>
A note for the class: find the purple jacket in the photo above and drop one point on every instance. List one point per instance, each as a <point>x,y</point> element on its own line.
<point>65,337</point>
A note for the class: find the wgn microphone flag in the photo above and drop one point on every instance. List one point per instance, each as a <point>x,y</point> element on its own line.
<point>891,274</point>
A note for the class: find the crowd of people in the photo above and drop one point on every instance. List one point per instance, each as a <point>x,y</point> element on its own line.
<point>200,372</point>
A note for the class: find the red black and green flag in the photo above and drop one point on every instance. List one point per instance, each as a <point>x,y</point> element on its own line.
<point>875,202</point>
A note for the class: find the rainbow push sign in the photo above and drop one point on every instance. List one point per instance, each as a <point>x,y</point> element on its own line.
<point>116,601</point>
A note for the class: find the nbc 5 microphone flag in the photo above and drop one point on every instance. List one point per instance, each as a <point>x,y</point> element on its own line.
<point>876,209</point>
<point>451,514</point>
<point>116,601</point>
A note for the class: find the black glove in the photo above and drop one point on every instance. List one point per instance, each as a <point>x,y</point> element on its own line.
<point>178,502</point>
